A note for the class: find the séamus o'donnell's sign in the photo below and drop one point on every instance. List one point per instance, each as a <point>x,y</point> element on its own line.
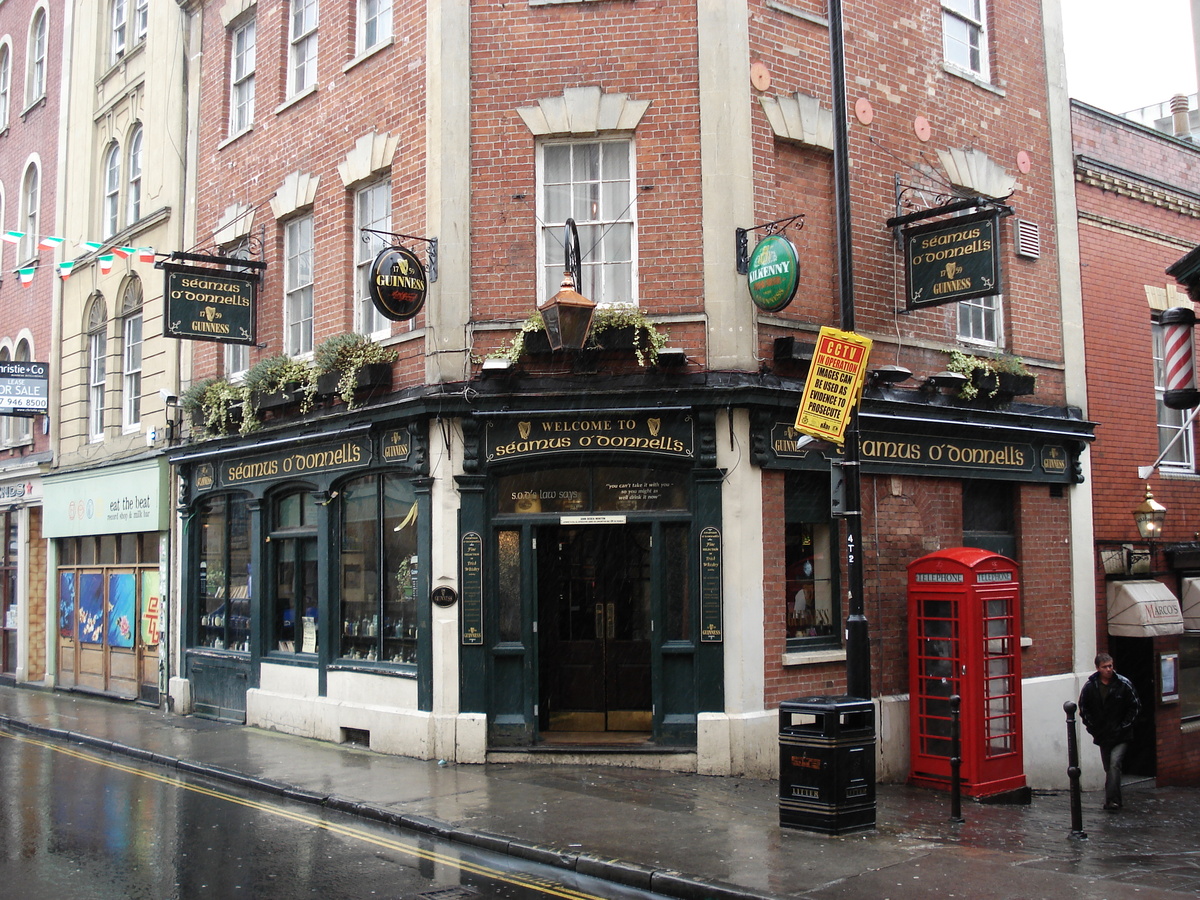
<point>210,304</point>
<point>950,261</point>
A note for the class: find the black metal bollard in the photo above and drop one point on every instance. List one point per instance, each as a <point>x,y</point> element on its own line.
<point>1077,832</point>
<point>956,815</point>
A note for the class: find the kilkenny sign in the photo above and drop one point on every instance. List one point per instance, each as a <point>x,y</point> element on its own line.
<point>951,261</point>
<point>834,384</point>
<point>774,273</point>
<point>209,304</point>
<point>24,387</point>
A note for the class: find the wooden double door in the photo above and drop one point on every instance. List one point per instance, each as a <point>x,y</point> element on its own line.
<point>595,614</point>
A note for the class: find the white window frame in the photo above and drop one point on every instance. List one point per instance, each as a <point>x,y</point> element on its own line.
<point>31,212</point>
<point>298,252</point>
<point>979,320</point>
<point>5,83</point>
<point>35,58</point>
<point>374,23</point>
<point>303,18</point>
<point>141,20</point>
<point>110,222</point>
<point>97,343</point>
<point>605,212</point>
<point>965,22</point>
<point>118,31</point>
<point>242,62</point>
<point>133,199</point>
<point>1170,422</point>
<point>21,431</point>
<point>8,424</point>
<point>372,209</point>
<point>132,347</point>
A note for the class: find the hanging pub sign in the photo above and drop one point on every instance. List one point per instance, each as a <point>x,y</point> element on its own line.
<point>396,283</point>
<point>773,273</point>
<point>24,388</point>
<point>211,304</point>
<point>952,260</point>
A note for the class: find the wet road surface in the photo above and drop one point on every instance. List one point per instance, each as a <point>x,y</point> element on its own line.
<point>85,824</point>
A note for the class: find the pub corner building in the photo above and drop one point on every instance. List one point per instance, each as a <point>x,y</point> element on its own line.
<point>621,563</point>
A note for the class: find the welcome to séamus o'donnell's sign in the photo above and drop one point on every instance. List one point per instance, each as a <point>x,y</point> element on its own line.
<point>950,261</point>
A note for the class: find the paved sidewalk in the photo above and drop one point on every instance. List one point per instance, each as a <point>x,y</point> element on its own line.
<point>688,836</point>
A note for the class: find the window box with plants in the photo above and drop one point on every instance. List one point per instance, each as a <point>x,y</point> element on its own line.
<point>620,327</point>
<point>990,378</point>
<point>349,363</point>
<point>278,382</point>
<point>218,406</point>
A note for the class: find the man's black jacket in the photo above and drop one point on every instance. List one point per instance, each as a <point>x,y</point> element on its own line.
<point>1109,721</point>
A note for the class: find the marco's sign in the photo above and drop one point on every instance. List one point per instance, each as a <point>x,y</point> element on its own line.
<point>952,260</point>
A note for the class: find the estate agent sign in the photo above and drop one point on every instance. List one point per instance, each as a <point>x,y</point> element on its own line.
<point>24,387</point>
<point>951,261</point>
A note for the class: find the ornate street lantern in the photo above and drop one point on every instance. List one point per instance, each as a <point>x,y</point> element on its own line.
<point>1149,516</point>
<point>568,314</point>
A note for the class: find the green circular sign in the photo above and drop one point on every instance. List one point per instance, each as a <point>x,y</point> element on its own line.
<point>774,273</point>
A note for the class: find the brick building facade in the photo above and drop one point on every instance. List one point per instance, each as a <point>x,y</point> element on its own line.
<point>634,557</point>
<point>1138,217</point>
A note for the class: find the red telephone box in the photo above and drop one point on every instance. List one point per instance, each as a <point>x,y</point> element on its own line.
<point>964,638</point>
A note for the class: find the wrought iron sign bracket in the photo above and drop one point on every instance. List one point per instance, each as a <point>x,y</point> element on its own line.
<point>742,240</point>
<point>934,203</point>
<point>431,266</point>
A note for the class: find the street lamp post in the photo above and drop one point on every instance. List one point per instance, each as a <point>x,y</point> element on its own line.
<point>858,642</point>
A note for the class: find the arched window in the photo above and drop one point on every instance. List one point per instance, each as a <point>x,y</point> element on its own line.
<point>112,189</point>
<point>22,426</point>
<point>134,200</point>
<point>131,356</point>
<point>97,347</point>
<point>35,83</point>
<point>5,84</point>
<point>31,203</point>
<point>7,423</point>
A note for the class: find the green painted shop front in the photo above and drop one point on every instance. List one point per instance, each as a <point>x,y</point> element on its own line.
<point>595,536</point>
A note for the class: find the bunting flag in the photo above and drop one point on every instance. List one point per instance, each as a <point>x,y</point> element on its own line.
<point>146,254</point>
<point>91,245</point>
<point>26,275</point>
<point>49,242</point>
<point>52,242</point>
<point>106,263</point>
<point>64,269</point>
<point>13,237</point>
<point>124,252</point>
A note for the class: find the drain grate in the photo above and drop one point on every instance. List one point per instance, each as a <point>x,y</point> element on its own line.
<point>459,892</point>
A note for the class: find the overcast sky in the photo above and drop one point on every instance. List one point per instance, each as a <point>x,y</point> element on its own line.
<point>1126,54</point>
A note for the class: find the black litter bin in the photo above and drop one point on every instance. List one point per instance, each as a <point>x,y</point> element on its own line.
<point>827,764</point>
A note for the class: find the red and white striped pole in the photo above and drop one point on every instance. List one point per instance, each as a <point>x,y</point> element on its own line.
<point>1179,359</point>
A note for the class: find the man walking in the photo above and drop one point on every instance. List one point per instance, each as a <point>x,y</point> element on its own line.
<point>1108,706</point>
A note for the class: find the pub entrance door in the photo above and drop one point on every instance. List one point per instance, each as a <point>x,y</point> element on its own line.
<point>594,595</point>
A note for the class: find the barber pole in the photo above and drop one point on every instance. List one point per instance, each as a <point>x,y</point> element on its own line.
<point>1179,359</point>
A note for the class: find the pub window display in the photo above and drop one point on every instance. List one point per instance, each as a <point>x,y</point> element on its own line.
<point>812,613</point>
<point>293,548</point>
<point>379,570</point>
<point>224,565</point>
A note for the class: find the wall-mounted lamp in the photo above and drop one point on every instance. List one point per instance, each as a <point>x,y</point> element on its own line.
<point>889,375</point>
<point>324,498</point>
<point>1149,517</point>
<point>943,380</point>
<point>568,314</point>
<point>494,367</point>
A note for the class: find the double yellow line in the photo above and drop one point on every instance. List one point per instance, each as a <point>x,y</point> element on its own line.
<point>530,882</point>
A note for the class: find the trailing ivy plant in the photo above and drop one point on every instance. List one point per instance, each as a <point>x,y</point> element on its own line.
<point>279,373</point>
<point>345,355</point>
<point>216,399</point>
<point>976,367</point>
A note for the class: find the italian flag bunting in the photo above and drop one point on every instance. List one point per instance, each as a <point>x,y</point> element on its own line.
<point>91,245</point>
<point>27,275</point>
<point>49,242</point>
<point>64,269</point>
<point>146,254</point>
<point>106,263</point>
<point>13,237</point>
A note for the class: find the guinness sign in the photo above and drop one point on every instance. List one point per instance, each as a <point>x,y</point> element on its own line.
<point>952,260</point>
<point>396,283</point>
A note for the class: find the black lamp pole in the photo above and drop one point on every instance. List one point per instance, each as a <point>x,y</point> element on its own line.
<point>858,641</point>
